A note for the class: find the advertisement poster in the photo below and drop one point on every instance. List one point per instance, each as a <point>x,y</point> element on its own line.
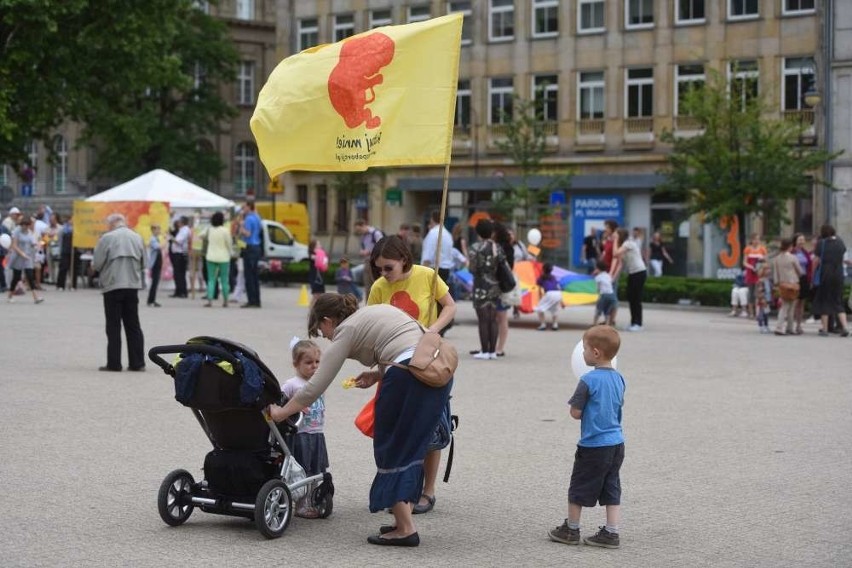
<point>90,219</point>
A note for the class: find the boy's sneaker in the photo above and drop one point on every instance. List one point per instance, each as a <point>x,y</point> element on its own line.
<point>555,327</point>
<point>541,327</point>
<point>603,538</point>
<point>564,534</point>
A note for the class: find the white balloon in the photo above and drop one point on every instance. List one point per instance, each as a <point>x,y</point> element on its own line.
<point>578,364</point>
<point>534,236</point>
<point>5,241</point>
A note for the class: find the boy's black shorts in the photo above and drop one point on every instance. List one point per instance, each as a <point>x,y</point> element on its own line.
<point>595,477</point>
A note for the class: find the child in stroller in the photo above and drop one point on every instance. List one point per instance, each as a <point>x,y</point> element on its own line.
<point>251,471</point>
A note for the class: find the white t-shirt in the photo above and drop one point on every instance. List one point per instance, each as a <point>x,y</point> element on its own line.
<point>604,281</point>
<point>430,246</point>
<point>632,258</point>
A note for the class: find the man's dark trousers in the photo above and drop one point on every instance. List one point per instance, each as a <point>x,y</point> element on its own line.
<point>122,305</point>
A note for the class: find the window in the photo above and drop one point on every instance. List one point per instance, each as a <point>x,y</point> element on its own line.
<point>690,11</point>
<point>798,7</point>
<point>245,166</point>
<point>418,13</point>
<point>546,97</point>
<point>245,9</point>
<point>302,193</point>
<point>590,16</point>
<point>467,26</point>
<point>380,18</point>
<point>463,110</point>
<point>279,235</point>
<point>344,26</point>
<point>245,83</point>
<point>798,78</point>
<point>590,95</point>
<point>199,75</point>
<point>342,213</point>
<point>545,21</point>
<point>640,93</point>
<point>500,93</point>
<point>308,33</point>
<point>741,9</point>
<point>688,78</point>
<point>322,209</point>
<point>638,14</point>
<point>60,164</point>
<point>501,20</point>
<point>743,77</point>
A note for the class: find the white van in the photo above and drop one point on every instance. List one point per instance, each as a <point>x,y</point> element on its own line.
<point>279,243</point>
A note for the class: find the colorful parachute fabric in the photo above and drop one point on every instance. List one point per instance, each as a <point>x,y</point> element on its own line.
<point>577,289</point>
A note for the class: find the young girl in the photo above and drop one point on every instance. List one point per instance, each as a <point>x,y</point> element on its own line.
<point>315,269</point>
<point>763,296</point>
<point>551,299</point>
<point>309,445</point>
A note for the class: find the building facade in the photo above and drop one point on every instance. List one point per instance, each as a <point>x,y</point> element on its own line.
<point>608,76</point>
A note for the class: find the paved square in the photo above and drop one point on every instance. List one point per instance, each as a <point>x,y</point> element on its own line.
<point>738,447</point>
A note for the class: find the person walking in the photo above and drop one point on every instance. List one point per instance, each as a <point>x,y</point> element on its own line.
<point>180,256</point>
<point>22,261</point>
<point>155,265</point>
<point>803,255</point>
<point>432,248</point>
<point>786,272</point>
<point>484,257</point>
<point>119,258</point>
<point>251,235</point>
<point>369,237</point>
<point>658,254</point>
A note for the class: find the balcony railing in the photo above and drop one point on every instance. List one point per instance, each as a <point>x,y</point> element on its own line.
<point>687,123</point>
<point>590,126</point>
<point>639,125</point>
<point>802,116</point>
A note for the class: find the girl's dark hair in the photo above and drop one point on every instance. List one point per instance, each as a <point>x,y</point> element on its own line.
<point>391,247</point>
<point>826,231</point>
<point>796,236</point>
<point>485,228</point>
<point>501,234</point>
<point>336,307</point>
<point>622,235</point>
<point>218,219</point>
<point>611,224</point>
<point>785,244</point>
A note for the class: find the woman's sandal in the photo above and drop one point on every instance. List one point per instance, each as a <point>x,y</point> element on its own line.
<point>420,509</point>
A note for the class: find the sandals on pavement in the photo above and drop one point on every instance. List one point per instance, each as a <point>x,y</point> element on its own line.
<point>420,509</point>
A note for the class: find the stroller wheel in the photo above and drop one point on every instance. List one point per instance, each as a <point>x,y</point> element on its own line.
<point>273,508</point>
<point>174,501</point>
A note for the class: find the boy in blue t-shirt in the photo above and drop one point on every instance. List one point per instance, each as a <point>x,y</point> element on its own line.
<point>597,403</point>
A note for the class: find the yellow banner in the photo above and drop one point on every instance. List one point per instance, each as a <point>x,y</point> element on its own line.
<point>385,97</point>
<point>90,219</point>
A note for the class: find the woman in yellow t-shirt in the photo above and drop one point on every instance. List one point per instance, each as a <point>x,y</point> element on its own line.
<point>408,286</point>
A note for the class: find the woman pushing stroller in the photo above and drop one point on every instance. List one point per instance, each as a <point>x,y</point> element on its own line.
<point>406,412</point>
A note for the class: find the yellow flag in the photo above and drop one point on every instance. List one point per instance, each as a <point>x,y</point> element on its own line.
<point>385,97</point>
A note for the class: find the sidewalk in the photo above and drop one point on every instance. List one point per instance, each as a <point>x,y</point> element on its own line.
<point>737,446</point>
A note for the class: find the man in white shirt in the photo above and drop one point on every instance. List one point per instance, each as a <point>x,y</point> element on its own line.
<point>446,261</point>
<point>180,253</point>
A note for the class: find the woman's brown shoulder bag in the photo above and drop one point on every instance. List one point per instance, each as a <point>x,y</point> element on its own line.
<point>434,360</point>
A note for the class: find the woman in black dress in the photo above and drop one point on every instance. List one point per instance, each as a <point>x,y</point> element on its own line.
<point>828,300</point>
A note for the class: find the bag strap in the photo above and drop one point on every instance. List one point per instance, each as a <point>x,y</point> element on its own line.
<point>454,424</point>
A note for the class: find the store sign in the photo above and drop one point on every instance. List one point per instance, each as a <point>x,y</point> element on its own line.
<point>589,212</point>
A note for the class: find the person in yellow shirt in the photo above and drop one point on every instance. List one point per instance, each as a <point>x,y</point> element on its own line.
<point>408,286</point>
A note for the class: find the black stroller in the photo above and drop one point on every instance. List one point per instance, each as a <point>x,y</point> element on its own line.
<point>250,472</point>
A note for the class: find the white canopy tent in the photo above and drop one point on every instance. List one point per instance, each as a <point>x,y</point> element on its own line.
<point>160,185</point>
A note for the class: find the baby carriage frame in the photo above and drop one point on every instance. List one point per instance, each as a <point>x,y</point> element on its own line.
<point>251,471</point>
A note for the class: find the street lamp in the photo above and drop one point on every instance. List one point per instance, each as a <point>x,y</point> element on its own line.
<point>812,97</point>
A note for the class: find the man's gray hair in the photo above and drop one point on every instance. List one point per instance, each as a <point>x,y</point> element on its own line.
<point>116,220</point>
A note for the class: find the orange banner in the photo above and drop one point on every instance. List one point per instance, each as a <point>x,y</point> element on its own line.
<point>90,219</point>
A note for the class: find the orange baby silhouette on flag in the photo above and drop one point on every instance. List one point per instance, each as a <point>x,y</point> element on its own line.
<point>351,82</point>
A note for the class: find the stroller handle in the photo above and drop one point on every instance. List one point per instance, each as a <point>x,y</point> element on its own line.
<point>169,369</point>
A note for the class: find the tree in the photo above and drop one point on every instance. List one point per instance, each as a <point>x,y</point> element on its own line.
<point>143,78</point>
<point>742,162</point>
<point>524,140</point>
<point>350,186</point>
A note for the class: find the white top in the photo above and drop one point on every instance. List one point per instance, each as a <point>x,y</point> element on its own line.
<point>632,258</point>
<point>427,257</point>
<point>604,281</point>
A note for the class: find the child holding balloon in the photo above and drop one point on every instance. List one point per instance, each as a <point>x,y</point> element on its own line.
<point>597,403</point>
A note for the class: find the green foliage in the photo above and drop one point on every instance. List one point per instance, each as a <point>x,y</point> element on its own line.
<point>124,70</point>
<point>523,138</point>
<point>673,289</point>
<point>742,162</point>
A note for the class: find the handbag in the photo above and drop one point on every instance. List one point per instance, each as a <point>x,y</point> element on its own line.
<point>434,360</point>
<point>505,277</point>
<point>366,419</point>
<point>788,291</point>
<point>512,297</point>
